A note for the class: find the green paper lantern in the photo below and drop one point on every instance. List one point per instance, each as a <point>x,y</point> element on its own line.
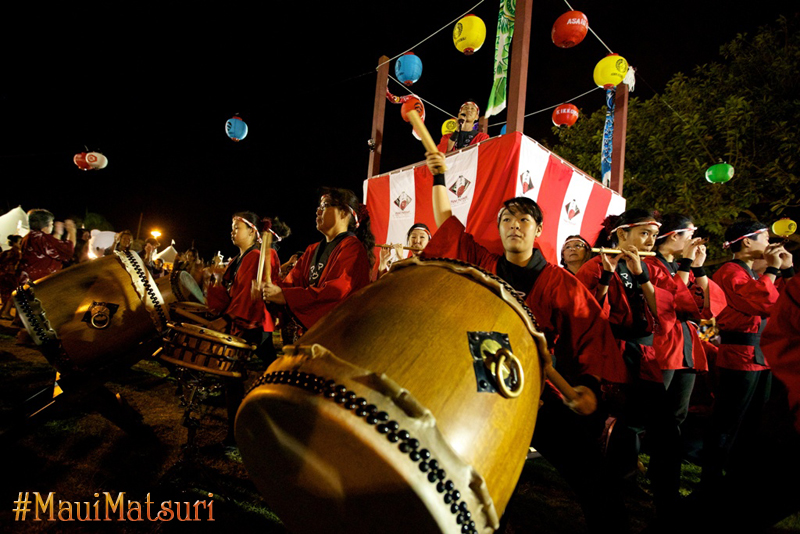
<point>719,173</point>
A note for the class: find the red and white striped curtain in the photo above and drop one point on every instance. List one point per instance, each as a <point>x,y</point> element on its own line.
<point>479,179</point>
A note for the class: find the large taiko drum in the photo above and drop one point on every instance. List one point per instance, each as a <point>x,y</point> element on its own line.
<point>85,317</point>
<point>409,408</point>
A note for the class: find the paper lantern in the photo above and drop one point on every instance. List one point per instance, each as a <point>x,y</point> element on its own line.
<point>784,227</point>
<point>610,71</point>
<point>719,173</point>
<point>449,126</point>
<point>96,160</point>
<point>469,34</point>
<point>412,103</point>
<point>565,115</point>
<point>569,29</point>
<point>80,161</point>
<point>236,128</point>
<point>408,68</point>
<point>503,130</point>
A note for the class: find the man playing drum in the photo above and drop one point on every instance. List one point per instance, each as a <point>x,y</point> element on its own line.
<point>579,337</point>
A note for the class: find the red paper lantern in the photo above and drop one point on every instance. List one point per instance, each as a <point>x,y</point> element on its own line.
<point>80,161</point>
<point>565,115</point>
<point>569,29</point>
<point>412,103</point>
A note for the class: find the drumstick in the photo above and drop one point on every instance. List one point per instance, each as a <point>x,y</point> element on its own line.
<point>388,245</point>
<point>570,394</point>
<point>422,131</point>
<point>266,244</point>
<point>618,251</point>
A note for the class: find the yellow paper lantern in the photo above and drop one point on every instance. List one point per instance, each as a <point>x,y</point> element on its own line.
<point>784,227</point>
<point>469,34</point>
<point>449,126</point>
<point>610,71</point>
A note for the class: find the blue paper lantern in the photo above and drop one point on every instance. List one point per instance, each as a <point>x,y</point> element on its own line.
<point>408,68</point>
<point>236,128</point>
<point>503,130</point>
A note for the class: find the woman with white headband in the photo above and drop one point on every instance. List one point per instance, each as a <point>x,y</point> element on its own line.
<point>744,374</point>
<point>574,253</point>
<point>240,315</point>
<point>417,239</point>
<point>679,349</point>
<point>639,300</point>
<point>331,270</point>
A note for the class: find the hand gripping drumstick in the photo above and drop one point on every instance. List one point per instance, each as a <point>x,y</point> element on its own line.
<point>579,399</point>
<point>422,131</point>
<point>266,245</point>
<point>618,251</point>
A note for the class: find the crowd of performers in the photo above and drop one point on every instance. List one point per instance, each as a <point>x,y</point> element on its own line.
<point>621,328</point>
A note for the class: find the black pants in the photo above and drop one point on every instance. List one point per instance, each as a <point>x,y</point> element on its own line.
<point>570,442</point>
<point>732,434</point>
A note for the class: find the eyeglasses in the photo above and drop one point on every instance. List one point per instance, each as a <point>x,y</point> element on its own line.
<point>574,247</point>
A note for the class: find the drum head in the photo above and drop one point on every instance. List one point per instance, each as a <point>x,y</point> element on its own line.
<point>186,289</point>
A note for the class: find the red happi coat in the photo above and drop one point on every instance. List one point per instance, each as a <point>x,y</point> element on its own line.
<point>346,271</point>
<point>749,301</point>
<point>247,313</point>
<point>480,136</point>
<point>567,314</point>
<point>689,306</point>
<point>43,254</point>
<point>780,342</point>
<point>624,316</point>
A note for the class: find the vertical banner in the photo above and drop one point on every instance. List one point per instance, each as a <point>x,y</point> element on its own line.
<point>502,49</point>
<point>608,137</point>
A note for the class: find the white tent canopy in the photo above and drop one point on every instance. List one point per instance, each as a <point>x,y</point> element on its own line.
<point>168,255</point>
<point>13,222</point>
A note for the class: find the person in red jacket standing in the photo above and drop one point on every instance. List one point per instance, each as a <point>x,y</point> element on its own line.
<point>467,133</point>
<point>744,375</point>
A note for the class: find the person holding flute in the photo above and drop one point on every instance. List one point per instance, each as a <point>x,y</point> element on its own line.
<point>639,299</point>
<point>579,336</point>
<point>417,239</point>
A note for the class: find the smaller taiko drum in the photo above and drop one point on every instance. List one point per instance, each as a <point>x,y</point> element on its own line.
<point>199,348</point>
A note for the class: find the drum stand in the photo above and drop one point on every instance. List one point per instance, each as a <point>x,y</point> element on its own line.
<point>195,388</point>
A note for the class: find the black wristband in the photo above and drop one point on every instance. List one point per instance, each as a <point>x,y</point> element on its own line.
<point>787,272</point>
<point>642,278</point>
<point>699,272</point>
<point>438,179</point>
<point>685,264</point>
<point>605,278</point>
<point>772,270</point>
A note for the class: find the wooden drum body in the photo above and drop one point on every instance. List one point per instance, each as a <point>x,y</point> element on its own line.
<point>384,418</point>
<point>84,317</point>
<point>201,349</point>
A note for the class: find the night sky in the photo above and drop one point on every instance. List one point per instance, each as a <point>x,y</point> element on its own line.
<point>152,90</point>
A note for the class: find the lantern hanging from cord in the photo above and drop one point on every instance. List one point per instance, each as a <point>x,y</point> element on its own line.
<point>565,115</point>
<point>569,29</point>
<point>784,227</point>
<point>96,160</point>
<point>610,71</point>
<point>719,173</point>
<point>469,34</point>
<point>236,128</point>
<point>412,103</point>
<point>80,161</point>
<point>408,68</point>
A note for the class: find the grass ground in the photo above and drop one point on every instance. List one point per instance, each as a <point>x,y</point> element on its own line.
<point>76,453</point>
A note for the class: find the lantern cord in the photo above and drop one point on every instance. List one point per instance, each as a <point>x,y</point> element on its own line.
<point>431,104</point>
<point>591,30</point>
<point>470,10</point>
<point>554,106</point>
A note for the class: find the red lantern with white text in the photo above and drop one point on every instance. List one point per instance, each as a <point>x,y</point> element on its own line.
<point>96,160</point>
<point>569,29</point>
<point>565,115</point>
